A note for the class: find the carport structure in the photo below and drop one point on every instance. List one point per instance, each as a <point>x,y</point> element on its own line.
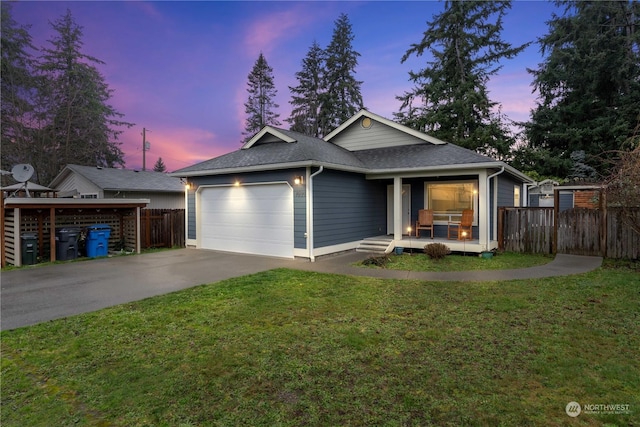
<point>43,215</point>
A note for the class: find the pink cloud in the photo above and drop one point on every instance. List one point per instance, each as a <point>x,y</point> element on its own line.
<point>149,9</point>
<point>178,147</point>
<point>514,93</point>
<point>265,33</point>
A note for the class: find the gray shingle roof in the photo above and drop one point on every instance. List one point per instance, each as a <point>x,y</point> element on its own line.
<point>316,151</point>
<point>305,149</point>
<point>128,180</point>
<point>419,156</point>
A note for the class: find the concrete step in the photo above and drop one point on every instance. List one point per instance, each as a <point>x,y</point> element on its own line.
<point>375,246</point>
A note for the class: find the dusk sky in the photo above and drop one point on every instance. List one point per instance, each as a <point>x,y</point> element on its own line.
<point>179,69</point>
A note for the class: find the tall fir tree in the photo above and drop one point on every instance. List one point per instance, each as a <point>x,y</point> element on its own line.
<point>341,97</point>
<point>450,99</point>
<point>588,86</point>
<point>18,84</point>
<point>159,166</point>
<point>305,98</point>
<point>260,106</point>
<point>79,125</point>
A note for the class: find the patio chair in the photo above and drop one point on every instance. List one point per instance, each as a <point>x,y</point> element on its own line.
<point>457,228</point>
<point>425,221</point>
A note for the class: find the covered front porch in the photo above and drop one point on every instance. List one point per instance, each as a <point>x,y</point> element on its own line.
<point>386,244</point>
<point>446,195</point>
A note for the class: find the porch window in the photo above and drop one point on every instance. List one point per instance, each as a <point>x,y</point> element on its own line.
<point>516,196</point>
<point>449,199</point>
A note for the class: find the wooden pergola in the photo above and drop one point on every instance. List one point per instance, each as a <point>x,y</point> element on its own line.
<point>42,215</point>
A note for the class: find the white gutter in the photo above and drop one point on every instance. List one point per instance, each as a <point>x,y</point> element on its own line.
<point>312,257</point>
<point>489,204</point>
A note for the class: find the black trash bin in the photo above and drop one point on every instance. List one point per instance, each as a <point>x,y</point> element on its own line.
<point>67,243</point>
<point>29,242</point>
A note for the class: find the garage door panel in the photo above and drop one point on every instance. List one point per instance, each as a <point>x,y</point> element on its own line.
<point>255,219</point>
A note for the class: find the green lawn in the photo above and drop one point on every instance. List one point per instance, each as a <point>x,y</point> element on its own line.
<point>295,348</point>
<point>418,261</point>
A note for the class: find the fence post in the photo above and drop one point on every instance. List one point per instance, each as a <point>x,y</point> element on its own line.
<point>556,212</point>
<point>604,227</point>
<point>501,228</point>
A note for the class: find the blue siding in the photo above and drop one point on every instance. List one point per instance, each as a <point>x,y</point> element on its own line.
<point>299,197</point>
<point>347,208</point>
<point>505,191</point>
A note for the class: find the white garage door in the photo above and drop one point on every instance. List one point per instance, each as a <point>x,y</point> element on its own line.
<point>254,219</point>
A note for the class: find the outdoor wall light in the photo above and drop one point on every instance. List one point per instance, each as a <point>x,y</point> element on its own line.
<point>187,186</point>
<point>237,183</point>
<point>298,180</point>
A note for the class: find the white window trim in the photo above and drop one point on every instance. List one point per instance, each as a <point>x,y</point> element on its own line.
<point>475,199</point>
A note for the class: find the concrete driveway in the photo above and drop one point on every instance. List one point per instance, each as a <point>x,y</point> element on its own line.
<point>37,294</point>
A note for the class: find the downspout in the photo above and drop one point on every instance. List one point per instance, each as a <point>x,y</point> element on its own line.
<point>312,257</point>
<point>488,206</point>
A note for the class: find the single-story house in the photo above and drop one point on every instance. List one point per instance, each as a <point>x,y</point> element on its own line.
<point>290,195</point>
<point>90,182</point>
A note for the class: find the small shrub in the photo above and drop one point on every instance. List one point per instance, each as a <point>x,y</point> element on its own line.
<point>437,250</point>
<point>378,261</point>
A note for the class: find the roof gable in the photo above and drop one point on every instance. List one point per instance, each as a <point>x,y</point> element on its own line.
<point>267,135</point>
<point>366,131</point>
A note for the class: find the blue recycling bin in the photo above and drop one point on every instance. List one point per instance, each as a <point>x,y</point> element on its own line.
<point>98,240</point>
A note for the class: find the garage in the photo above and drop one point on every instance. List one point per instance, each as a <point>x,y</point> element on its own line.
<point>247,218</point>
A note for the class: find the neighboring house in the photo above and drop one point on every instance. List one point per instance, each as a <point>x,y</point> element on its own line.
<point>89,182</point>
<point>577,195</point>
<point>290,195</point>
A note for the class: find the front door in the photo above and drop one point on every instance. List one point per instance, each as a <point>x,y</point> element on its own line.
<point>406,208</point>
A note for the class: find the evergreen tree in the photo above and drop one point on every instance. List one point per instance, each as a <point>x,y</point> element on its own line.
<point>341,97</point>
<point>159,166</point>
<point>260,104</point>
<point>79,125</point>
<point>588,84</point>
<point>450,98</point>
<point>16,92</point>
<point>305,98</point>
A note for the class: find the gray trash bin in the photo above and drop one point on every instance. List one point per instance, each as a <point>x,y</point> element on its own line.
<point>67,243</point>
<point>29,242</point>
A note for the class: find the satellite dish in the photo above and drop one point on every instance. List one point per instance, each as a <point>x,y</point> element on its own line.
<point>22,172</point>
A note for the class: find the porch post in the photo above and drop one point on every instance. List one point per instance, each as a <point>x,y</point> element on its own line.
<point>397,208</point>
<point>483,209</point>
<point>17,240</point>
<point>138,237</point>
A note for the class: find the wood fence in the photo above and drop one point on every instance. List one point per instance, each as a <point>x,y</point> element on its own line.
<point>527,230</point>
<point>578,231</point>
<point>162,228</point>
